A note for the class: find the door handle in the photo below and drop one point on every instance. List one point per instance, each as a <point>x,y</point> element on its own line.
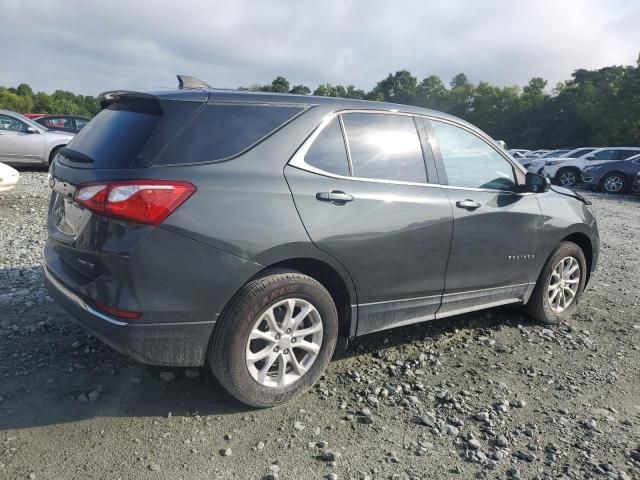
<point>1,133</point>
<point>334,196</point>
<point>467,204</point>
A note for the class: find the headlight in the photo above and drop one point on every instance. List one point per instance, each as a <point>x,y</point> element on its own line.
<point>548,163</point>
<point>591,169</point>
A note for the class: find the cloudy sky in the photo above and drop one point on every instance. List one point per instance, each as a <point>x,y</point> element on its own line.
<point>90,46</point>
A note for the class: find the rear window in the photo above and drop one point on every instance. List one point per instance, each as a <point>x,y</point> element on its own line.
<point>223,131</point>
<point>116,137</point>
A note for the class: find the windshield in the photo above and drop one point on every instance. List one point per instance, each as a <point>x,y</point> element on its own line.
<point>555,153</point>
<point>579,152</point>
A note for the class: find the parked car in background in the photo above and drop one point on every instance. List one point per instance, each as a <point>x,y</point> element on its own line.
<point>8,177</point>
<point>65,123</point>
<point>568,172</point>
<point>252,231</point>
<point>33,116</point>
<point>23,141</point>
<point>580,152</point>
<point>519,152</point>
<point>612,177</point>
<point>537,153</point>
<point>555,153</point>
<point>529,162</point>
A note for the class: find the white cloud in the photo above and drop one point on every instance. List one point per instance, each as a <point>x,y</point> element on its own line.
<point>88,47</point>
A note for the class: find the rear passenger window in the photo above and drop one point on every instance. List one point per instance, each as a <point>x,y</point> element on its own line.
<point>222,131</point>
<point>328,152</point>
<point>384,146</point>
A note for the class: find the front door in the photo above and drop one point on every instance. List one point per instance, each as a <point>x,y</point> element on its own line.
<point>17,144</point>
<point>370,208</point>
<point>495,227</point>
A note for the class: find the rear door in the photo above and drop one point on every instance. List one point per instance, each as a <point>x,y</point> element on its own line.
<point>369,205</point>
<point>496,229</point>
<point>17,144</point>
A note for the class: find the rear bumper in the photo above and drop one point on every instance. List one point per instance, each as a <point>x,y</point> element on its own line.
<point>170,344</point>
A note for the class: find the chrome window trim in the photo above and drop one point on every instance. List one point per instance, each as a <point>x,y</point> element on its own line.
<point>297,160</point>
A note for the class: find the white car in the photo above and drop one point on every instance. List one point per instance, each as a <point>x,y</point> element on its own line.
<point>8,177</point>
<point>536,165</point>
<point>568,171</point>
<point>23,141</point>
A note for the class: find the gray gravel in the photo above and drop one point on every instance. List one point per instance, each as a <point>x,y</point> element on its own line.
<point>489,395</point>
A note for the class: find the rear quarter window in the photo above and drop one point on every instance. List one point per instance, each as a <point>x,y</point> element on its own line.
<point>223,131</point>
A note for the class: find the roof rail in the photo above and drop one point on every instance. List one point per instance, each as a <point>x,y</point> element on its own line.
<point>187,81</point>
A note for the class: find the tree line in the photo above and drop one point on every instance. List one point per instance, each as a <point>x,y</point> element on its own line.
<point>592,108</point>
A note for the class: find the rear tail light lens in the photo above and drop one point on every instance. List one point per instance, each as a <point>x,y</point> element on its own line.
<point>118,312</point>
<point>141,201</point>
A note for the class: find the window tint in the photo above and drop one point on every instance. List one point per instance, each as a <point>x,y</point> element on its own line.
<point>384,147</point>
<point>624,154</point>
<point>328,152</point>
<point>116,136</point>
<point>470,162</point>
<point>605,155</point>
<point>581,152</point>
<point>222,131</point>
<point>13,124</point>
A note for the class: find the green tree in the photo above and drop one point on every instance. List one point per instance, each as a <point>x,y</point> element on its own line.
<point>300,90</point>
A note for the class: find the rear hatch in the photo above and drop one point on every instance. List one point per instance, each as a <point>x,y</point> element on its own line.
<point>119,144</point>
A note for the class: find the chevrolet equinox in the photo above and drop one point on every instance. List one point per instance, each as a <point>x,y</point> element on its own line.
<point>255,231</point>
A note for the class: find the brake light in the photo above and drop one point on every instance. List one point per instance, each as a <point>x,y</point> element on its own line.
<point>141,201</point>
<point>117,312</point>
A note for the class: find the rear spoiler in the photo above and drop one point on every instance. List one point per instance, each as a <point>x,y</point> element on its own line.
<point>185,82</point>
<point>107,98</point>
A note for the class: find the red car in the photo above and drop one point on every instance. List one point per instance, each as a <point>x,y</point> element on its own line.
<point>33,116</point>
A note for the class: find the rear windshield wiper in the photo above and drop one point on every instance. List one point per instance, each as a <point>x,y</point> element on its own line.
<point>75,156</point>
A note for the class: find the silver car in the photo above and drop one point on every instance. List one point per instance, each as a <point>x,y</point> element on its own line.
<point>23,141</point>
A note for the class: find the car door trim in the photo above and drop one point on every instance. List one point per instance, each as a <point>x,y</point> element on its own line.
<point>377,316</point>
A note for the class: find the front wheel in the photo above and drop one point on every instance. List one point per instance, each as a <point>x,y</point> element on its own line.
<point>613,183</point>
<point>567,177</point>
<point>275,338</point>
<point>559,286</point>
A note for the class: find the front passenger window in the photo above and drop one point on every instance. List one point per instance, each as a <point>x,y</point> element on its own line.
<point>470,162</point>
<point>10,123</point>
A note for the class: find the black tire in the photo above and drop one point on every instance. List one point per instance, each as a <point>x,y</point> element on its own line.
<point>613,182</point>
<point>567,177</point>
<point>538,306</point>
<point>53,153</point>
<point>227,352</point>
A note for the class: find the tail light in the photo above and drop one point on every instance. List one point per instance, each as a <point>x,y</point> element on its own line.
<point>141,201</point>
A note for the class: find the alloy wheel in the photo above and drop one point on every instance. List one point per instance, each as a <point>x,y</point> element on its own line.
<point>284,342</point>
<point>613,184</point>
<point>563,284</point>
<point>568,178</point>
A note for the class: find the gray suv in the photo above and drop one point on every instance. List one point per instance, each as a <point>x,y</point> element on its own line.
<point>255,231</point>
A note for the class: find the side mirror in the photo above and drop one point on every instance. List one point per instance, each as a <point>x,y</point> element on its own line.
<point>591,157</point>
<point>31,130</point>
<point>536,183</point>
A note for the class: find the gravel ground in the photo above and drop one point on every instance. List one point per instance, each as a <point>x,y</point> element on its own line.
<point>488,395</point>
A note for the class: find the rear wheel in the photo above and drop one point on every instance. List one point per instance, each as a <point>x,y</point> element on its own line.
<point>275,338</point>
<point>560,285</point>
<point>613,183</point>
<point>567,177</point>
